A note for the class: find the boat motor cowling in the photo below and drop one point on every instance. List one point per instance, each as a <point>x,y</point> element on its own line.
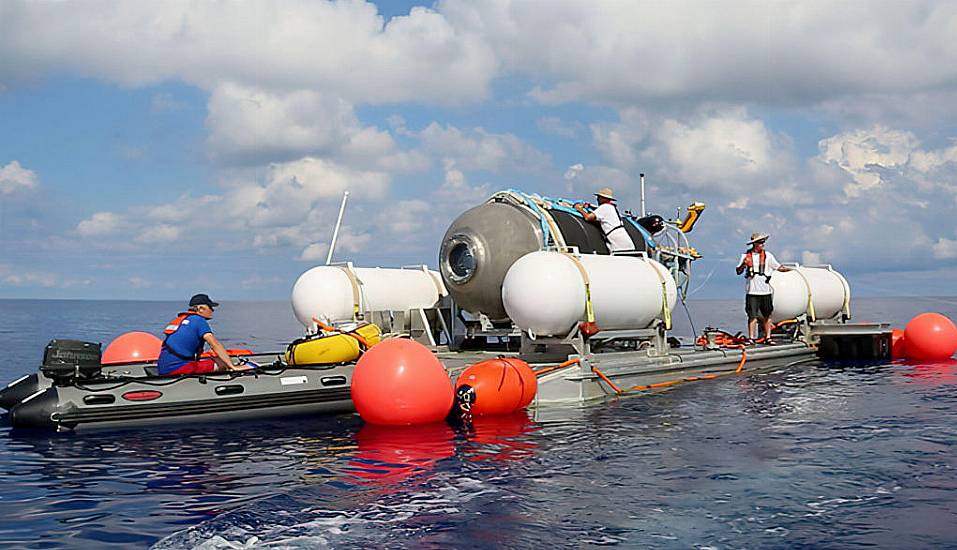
<point>66,360</point>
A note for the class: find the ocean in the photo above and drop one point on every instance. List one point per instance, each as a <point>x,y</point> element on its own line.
<point>820,455</point>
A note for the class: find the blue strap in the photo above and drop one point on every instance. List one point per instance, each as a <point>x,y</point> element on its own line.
<point>546,234</point>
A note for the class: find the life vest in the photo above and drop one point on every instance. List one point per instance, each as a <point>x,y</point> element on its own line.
<point>172,327</point>
<point>762,262</point>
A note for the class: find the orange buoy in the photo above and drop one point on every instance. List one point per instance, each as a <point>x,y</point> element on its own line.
<point>930,336</point>
<point>898,344</point>
<point>132,347</point>
<point>497,386</point>
<point>400,381</point>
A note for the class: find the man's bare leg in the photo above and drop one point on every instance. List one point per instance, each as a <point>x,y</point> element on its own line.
<point>767,329</point>
<point>752,328</point>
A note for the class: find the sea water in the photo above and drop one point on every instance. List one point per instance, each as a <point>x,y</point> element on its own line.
<point>822,455</point>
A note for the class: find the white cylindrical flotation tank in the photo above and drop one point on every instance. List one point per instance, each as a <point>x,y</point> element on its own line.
<point>336,292</point>
<point>544,292</point>
<point>829,292</point>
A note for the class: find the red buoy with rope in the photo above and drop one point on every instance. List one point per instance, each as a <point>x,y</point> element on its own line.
<point>496,386</point>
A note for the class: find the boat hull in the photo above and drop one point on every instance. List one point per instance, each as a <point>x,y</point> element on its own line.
<point>151,400</point>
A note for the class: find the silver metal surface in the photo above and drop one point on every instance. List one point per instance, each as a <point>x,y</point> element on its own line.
<point>477,251</point>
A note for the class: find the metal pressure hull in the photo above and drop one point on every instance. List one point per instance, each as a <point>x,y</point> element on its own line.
<point>477,251</point>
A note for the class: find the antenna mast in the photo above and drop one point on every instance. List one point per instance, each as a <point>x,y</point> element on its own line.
<point>335,232</point>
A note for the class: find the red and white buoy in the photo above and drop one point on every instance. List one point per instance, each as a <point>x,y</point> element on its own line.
<point>497,386</point>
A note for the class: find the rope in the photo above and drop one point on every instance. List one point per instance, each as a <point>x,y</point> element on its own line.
<point>545,370</point>
<point>607,380</point>
<point>363,343</point>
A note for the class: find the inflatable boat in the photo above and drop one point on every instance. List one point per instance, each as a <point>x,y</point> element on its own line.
<point>74,390</point>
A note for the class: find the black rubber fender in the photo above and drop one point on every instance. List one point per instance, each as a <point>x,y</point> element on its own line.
<point>16,392</point>
<point>36,412</point>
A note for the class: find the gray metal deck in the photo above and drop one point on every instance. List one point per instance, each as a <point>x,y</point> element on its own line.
<point>637,371</point>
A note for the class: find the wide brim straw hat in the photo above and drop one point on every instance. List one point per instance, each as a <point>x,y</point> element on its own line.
<point>758,237</point>
<point>606,193</point>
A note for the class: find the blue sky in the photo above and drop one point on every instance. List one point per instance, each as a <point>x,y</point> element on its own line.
<point>153,150</point>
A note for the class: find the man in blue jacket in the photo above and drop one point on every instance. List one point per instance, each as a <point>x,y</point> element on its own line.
<point>186,336</point>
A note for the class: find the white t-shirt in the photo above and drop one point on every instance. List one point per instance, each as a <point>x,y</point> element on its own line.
<point>759,284</point>
<point>611,225</point>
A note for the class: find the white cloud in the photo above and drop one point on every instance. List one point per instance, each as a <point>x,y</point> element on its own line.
<point>343,48</point>
<point>555,126</point>
<point>478,149</point>
<point>455,190</point>
<point>14,177</point>
<point>719,150</point>
<point>314,252</point>
<point>945,249</point>
<point>10,276</point>
<point>713,149</point>
<point>863,153</point>
<point>100,223</point>
<point>162,233</point>
<point>292,190</point>
<point>809,257</point>
<point>246,122</point>
<point>628,52</point>
<point>350,241</point>
<point>139,282</point>
<point>573,171</point>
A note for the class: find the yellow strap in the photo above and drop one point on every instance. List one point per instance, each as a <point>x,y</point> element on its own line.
<point>665,310</point>
<point>810,302</point>
<point>356,291</point>
<point>589,311</point>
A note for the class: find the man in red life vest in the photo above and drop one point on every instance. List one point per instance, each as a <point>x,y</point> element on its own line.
<point>757,265</point>
<point>186,336</point>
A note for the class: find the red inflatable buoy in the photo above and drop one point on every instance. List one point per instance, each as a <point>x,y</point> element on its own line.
<point>497,386</point>
<point>930,336</point>
<point>400,382</point>
<point>132,347</point>
<point>898,344</point>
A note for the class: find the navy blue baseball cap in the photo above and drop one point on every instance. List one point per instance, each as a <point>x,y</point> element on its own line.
<point>202,299</point>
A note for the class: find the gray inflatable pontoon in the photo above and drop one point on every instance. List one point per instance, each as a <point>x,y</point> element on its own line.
<point>134,395</point>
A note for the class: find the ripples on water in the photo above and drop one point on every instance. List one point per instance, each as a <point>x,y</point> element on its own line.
<point>835,455</point>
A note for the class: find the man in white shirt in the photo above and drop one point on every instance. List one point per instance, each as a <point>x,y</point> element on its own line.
<point>757,264</point>
<point>612,226</point>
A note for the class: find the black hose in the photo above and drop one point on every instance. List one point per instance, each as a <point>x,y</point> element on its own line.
<point>694,333</point>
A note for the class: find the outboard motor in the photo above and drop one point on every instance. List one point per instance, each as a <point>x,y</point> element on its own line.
<point>63,362</point>
<point>67,360</point>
